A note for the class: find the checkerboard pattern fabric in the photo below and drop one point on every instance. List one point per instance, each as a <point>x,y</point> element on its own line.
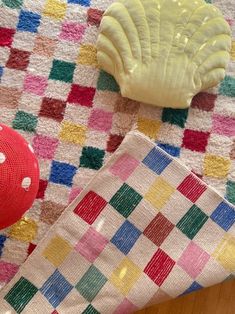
<point>53,93</point>
<point>143,229</point>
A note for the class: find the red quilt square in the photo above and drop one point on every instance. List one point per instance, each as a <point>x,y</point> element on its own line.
<point>81,95</point>
<point>53,108</point>
<point>159,267</point>
<point>204,101</point>
<point>18,59</point>
<point>191,188</point>
<point>42,188</point>
<point>158,229</point>
<point>31,248</point>
<point>90,207</point>
<point>94,16</point>
<point>195,140</point>
<point>114,142</point>
<point>6,36</point>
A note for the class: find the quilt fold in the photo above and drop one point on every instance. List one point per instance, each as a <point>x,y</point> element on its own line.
<point>144,229</point>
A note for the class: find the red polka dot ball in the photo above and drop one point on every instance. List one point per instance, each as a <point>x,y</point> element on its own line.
<point>19,176</point>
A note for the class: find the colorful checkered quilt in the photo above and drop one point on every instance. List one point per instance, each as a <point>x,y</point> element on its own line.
<point>145,229</point>
<point>53,93</point>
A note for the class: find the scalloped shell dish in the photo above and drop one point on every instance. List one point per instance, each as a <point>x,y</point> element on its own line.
<point>163,52</point>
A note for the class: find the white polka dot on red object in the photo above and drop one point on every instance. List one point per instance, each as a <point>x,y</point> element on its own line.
<point>2,158</point>
<point>1,128</point>
<point>26,182</point>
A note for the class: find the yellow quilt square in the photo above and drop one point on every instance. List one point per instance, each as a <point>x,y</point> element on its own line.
<point>149,127</point>
<point>55,9</point>
<point>24,230</point>
<point>216,166</point>
<point>159,193</point>
<point>74,133</point>
<point>125,276</point>
<point>87,55</point>
<point>57,250</point>
<point>233,51</point>
<point>225,253</point>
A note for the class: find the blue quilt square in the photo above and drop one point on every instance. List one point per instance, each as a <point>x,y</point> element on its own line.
<point>2,240</point>
<point>224,216</point>
<point>194,287</point>
<point>170,149</point>
<point>125,237</point>
<point>85,3</point>
<point>157,160</point>
<point>1,71</point>
<point>28,21</point>
<point>56,288</point>
<point>62,173</point>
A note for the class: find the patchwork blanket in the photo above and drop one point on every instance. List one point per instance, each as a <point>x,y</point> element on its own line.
<point>53,93</point>
<point>143,230</point>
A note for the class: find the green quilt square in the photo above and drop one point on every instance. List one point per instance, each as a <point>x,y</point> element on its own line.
<point>92,158</point>
<point>21,294</point>
<point>24,121</point>
<point>62,71</point>
<point>175,116</point>
<point>227,86</point>
<point>192,221</point>
<point>91,283</point>
<point>90,310</point>
<point>107,82</point>
<point>13,4</point>
<point>231,191</point>
<point>125,200</point>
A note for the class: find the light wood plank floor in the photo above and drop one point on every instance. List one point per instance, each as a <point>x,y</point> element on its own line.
<point>219,299</point>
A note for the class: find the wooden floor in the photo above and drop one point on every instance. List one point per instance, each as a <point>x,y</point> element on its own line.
<point>219,299</point>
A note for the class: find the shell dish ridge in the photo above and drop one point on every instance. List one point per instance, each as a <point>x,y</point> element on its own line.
<point>163,52</point>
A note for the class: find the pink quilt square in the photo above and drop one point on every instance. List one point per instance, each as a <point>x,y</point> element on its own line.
<point>7,271</point>
<point>74,193</point>
<point>100,120</point>
<point>223,125</point>
<point>72,31</point>
<point>125,307</point>
<point>124,166</point>
<point>91,245</point>
<point>44,147</point>
<point>35,84</point>
<point>193,260</point>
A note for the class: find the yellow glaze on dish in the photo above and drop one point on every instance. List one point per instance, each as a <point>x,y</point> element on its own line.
<point>163,52</point>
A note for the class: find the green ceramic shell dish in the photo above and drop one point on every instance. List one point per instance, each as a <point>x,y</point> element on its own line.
<point>163,52</point>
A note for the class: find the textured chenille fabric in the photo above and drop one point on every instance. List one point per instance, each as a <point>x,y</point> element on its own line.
<point>71,112</point>
<point>145,229</point>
